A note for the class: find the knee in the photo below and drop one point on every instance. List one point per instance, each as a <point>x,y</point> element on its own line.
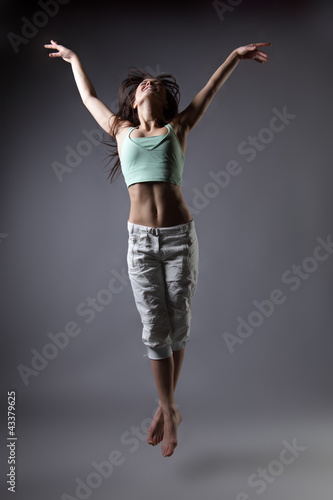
<point>159,352</point>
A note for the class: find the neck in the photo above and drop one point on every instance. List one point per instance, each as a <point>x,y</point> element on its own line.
<point>150,116</point>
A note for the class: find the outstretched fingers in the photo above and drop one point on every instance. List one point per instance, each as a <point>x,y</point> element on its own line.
<point>53,45</point>
<point>261,44</point>
<point>261,56</point>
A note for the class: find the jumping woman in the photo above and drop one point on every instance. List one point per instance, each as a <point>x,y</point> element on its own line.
<point>150,140</point>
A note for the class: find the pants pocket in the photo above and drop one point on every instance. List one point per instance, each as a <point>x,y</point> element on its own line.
<point>140,252</point>
<point>131,252</point>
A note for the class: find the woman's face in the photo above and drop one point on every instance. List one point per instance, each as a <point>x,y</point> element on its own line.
<point>152,88</point>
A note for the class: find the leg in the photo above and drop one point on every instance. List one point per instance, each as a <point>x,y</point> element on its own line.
<point>181,274</point>
<point>147,281</point>
<point>178,357</point>
<point>163,370</point>
<point>156,428</point>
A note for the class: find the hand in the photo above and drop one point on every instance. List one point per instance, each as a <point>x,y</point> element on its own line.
<point>66,54</point>
<point>252,52</point>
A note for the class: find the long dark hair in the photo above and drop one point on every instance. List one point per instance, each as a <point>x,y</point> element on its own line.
<point>126,111</point>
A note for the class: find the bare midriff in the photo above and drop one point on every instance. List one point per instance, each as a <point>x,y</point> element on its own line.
<point>157,204</point>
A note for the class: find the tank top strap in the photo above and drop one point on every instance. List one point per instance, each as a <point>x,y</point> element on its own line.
<point>129,130</point>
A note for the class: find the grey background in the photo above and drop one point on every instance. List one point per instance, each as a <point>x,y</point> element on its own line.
<point>61,242</point>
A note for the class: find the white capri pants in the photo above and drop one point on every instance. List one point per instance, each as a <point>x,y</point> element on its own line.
<point>163,270</point>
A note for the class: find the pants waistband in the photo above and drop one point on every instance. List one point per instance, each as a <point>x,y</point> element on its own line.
<point>180,228</point>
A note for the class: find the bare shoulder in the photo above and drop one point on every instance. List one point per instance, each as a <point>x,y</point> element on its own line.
<point>122,129</point>
<point>121,132</point>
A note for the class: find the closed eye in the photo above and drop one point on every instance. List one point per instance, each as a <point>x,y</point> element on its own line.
<point>153,83</point>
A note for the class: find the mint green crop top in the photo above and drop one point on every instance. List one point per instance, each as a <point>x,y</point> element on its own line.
<point>156,158</point>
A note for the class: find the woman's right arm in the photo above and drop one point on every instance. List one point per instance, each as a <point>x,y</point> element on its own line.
<point>102,114</point>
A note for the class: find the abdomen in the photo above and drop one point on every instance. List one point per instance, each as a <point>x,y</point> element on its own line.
<point>157,204</point>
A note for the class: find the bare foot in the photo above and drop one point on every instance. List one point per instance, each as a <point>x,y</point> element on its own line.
<point>172,419</point>
<point>155,431</point>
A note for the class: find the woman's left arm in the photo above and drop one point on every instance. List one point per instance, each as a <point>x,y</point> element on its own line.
<point>188,118</point>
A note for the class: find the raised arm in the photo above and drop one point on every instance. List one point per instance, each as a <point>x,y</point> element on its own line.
<point>102,114</point>
<point>195,111</point>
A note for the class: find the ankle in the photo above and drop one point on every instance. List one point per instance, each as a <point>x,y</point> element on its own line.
<point>168,408</point>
